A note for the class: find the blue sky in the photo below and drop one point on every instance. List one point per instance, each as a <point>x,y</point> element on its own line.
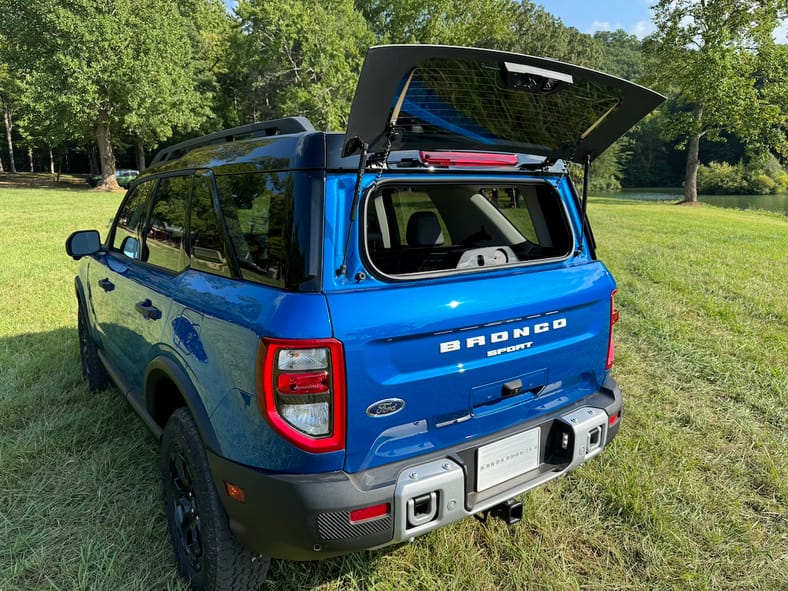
<point>589,16</point>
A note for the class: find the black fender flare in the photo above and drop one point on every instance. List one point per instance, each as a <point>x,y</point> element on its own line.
<point>163,367</point>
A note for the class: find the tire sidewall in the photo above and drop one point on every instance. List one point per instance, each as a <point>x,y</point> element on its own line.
<point>93,370</point>
<point>225,564</point>
<point>181,436</point>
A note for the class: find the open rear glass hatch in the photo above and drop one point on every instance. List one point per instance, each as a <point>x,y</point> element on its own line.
<point>429,97</point>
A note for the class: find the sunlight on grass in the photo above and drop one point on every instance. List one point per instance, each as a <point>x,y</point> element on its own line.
<point>691,495</point>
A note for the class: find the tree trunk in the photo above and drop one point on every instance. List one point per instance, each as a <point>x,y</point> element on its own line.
<point>2,170</point>
<point>9,125</point>
<point>51,161</point>
<point>693,161</point>
<point>30,158</point>
<point>140,154</point>
<point>93,160</point>
<point>107,158</point>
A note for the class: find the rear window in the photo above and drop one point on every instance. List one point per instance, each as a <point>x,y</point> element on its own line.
<point>416,229</point>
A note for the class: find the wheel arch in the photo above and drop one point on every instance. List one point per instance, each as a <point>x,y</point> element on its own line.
<point>79,290</point>
<point>168,388</point>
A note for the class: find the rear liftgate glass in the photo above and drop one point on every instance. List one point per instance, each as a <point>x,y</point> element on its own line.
<point>413,230</point>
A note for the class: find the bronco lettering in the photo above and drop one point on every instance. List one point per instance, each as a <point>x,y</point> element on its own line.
<point>503,336</point>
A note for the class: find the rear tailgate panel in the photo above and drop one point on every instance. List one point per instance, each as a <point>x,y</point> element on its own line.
<point>468,356</point>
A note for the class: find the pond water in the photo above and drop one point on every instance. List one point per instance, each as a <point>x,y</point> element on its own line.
<point>776,203</point>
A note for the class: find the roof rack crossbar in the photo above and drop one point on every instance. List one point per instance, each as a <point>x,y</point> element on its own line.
<point>257,129</point>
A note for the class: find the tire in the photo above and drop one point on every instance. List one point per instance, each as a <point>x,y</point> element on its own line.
<point>93,370</point>
<point>206,552</point>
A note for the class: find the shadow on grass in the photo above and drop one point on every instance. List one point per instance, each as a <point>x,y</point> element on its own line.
<point>81,472</point>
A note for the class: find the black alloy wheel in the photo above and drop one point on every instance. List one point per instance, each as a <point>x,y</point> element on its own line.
<point>186,510</point>
<point>206,552</point>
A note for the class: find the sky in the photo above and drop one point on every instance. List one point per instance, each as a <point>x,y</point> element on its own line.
<point>589,16</point>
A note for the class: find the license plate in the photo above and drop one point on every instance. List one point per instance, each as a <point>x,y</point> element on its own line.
<point>505,459</point>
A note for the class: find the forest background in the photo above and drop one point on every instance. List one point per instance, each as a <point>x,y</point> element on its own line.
<point>90,85</point>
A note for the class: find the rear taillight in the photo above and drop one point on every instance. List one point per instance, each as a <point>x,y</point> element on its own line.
<point>301,391</point>
<point>611,346</point>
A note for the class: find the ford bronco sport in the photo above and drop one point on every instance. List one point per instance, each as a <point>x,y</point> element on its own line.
<point>346,340</point>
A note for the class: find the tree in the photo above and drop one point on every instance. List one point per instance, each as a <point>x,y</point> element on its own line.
<point>707,54</point>
<point>301,57</point>
<point>9,90</point>
<point>484,23</point>
<point>104,65</point>
<point>623,54</point>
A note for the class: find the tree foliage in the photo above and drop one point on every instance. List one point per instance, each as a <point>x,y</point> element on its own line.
<point>104,66</point>
<point>708,55</point>
<point>298,57</point>
<point>142,72</point>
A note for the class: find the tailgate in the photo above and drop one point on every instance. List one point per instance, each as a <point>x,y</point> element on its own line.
<point>433,364</point>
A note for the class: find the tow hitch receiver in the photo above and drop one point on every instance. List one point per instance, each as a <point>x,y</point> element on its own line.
<point>510,512</point>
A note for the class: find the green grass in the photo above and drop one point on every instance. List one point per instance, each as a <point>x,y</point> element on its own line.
<point>691,495</point>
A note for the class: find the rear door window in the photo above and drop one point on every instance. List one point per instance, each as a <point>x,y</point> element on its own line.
<point>414,229</point>
<point>163,236</point>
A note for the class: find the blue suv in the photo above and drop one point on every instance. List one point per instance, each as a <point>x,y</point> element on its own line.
<point>346,340</point>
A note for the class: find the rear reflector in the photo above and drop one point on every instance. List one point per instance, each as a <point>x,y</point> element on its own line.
<point>611,346</point>
<point>369,513</point>
<point>467,159</point>
<point>612,420</point>
<point>235,492</point>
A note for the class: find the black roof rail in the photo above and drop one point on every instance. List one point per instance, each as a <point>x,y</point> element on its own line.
<point>257,129</point>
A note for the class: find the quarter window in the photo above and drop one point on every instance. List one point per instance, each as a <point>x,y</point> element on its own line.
<point>269,222</point>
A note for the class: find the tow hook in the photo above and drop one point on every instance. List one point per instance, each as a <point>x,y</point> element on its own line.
<point>510,511</point>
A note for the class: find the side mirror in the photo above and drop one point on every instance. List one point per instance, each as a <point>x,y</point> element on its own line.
<point>131,247</point>
<point>83,243</point>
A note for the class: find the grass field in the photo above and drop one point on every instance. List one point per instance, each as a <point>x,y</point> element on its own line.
<point>693,494</point>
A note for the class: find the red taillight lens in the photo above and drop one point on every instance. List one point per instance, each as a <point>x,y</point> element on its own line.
<point>301,391</point>
<point>611,346</point>
<point>303,383</point>
<point>467,159</point>
<point>369,513</point>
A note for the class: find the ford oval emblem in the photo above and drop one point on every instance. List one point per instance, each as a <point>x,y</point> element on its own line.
<point>386,407</point>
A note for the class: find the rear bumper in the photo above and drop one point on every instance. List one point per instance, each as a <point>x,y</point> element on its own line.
<point>307,517</point>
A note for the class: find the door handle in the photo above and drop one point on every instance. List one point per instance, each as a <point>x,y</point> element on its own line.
<point>106,284</point>
<point>148,310</point>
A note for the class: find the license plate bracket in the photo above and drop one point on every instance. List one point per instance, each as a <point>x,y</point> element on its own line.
<point>505,459</point>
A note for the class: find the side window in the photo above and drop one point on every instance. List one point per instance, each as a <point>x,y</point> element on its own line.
<point>130,218</point>
<point>257,209</point>
<point>164,231</point>
<point>207,249</point>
